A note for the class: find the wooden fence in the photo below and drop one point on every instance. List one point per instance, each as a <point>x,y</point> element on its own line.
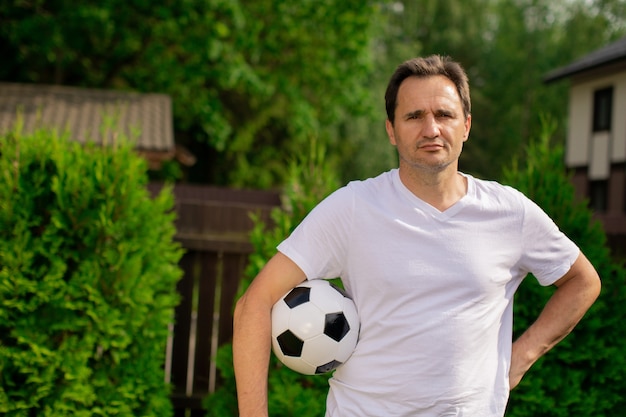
<point>213,226</point>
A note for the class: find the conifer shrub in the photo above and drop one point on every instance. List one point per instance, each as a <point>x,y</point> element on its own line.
<point>88,272</point>
<point>584,374</point>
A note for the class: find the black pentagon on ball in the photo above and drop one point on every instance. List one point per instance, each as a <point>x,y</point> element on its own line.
<point>322,369</point>
<point>290,344</point>
<point>336,326</point>
<point>297,296</point>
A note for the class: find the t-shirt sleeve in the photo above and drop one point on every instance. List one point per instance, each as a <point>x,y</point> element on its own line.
<point>547,252</point>
<point>319,244</point>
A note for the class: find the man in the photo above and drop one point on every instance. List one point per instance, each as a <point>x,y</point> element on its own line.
<point>432,258</point>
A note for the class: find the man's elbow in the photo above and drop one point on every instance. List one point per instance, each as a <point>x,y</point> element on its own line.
<point>589,284</point>
<point>252,305</point>
<point>591,281</point>
<point>238,312</point>
<point>595,285</point>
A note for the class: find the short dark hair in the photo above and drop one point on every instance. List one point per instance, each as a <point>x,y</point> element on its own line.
<point>426,67</point>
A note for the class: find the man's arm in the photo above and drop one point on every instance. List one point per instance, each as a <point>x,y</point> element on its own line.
<point>252,332</point>
<point>576,291</point>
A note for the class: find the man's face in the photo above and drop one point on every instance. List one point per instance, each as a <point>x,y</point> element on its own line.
<point>429,127</point>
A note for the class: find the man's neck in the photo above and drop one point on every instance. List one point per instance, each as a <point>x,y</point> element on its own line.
<point>439,189</point>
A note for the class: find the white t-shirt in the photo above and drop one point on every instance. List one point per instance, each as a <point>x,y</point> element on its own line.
<point>433,290</point>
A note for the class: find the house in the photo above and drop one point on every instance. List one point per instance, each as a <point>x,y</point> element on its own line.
<point>596,139</point>
<point>95,115</point>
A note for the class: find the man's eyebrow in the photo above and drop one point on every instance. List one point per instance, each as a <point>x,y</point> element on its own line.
<point>445,112</point>
<point>414,113</point>
<point>438,112</point>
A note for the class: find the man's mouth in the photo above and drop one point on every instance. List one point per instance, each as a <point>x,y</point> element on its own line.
<point>430,146</point>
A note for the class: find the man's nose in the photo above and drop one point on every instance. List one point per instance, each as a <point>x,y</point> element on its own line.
<point>430,128</point>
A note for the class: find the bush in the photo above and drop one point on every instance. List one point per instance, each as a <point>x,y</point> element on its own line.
<point>583,375</point>
<point>289,393</point>
<point>88,269</point>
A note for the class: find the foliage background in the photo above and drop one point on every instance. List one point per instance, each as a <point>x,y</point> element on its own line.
<point>254,81</point>
<point>257,82</point>
<point>88,272</point>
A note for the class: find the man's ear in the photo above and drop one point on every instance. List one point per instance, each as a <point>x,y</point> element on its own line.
<point>390,132</point>
<point>468,126</point>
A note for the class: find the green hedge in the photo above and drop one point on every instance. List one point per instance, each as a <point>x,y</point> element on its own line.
<point>88,270</point>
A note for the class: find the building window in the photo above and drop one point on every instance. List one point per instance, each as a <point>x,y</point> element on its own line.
<point>602,109</point>
<point>599,195</point>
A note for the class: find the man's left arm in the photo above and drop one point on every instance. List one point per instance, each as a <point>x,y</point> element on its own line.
<point>576,291</point>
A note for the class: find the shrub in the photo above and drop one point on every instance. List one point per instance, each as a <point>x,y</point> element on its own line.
<point>583,375</point>
<point>289,393</point>
<point>88,269</point>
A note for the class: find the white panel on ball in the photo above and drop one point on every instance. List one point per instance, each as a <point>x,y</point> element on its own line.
<point>306,321</point>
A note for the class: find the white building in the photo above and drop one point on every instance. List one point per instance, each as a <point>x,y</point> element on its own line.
<point>596,139</point>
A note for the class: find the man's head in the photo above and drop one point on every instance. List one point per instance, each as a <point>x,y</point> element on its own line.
<point>426,67</point>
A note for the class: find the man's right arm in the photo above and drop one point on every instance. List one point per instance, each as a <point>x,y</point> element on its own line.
<point>252,332</point>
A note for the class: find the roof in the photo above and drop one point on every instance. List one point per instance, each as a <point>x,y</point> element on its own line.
<point>613,52</point>
<point>84,112</point>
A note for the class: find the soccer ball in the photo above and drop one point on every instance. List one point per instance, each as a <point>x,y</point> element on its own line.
<point>315,327</point>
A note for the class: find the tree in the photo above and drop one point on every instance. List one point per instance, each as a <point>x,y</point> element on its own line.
<point>252,81</point>
<point>582,375</point>
<point>507,47</point>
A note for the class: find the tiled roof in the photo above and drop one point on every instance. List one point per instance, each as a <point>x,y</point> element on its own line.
<point>83,112</point>
<point>613,52</point>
